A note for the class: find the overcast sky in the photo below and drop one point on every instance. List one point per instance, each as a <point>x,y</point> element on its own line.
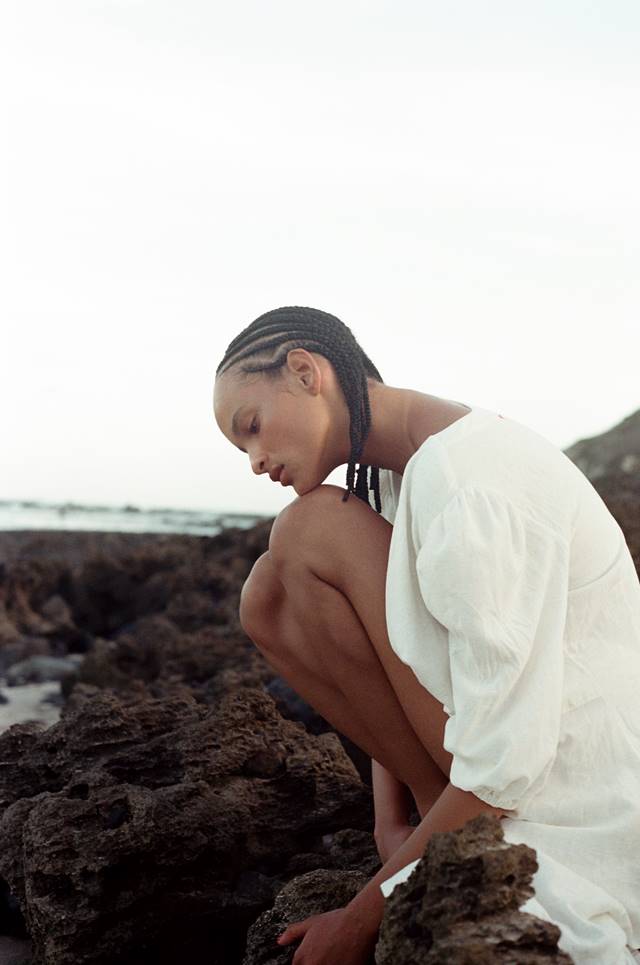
<point>458,182</point>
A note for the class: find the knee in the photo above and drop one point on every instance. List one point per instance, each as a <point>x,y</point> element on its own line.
<point>259,599</point>
<point>302,523</point>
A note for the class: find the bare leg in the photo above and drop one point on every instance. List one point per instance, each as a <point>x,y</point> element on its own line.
<point>318,615</point>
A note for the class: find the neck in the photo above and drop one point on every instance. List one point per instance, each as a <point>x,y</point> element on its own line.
<point>401,420</point>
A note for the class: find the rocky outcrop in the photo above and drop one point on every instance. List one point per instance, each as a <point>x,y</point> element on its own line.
<point>611,461</point>
<point>139,829</point>
<point>309,894</point>
<point>460,905</point>
<point>614,453</point>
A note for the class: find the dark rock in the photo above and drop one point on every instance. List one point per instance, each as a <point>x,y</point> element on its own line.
<point>310,894</point>
<point>346,850</point>
<point>613,451</point>
<point>22,648</point>
<point>104,596</point>
<point>137,829</point>
<point>611,462</point>
<point>15,951</point>
<point>292,706</point>
<point>460,905</point>
<point>154,653</point>
<point>11,918</point>
<point>25,587</point>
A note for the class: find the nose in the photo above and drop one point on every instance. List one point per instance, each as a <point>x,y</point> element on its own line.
<point>258,464</point>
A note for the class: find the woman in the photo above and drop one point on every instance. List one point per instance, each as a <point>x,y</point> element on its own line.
<point>477,633</point>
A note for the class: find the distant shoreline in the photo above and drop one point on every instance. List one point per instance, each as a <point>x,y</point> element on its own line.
<point>16,515</point>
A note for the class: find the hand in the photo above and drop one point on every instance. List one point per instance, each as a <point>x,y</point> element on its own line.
<point>335,936</point>
<point>389,839</point>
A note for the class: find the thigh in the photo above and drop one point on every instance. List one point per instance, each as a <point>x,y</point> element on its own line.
<point>347,546</point>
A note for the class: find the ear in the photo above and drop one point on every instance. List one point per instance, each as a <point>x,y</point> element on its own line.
<point>305,369</point>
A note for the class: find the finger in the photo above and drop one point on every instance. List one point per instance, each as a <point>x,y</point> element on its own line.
<point>293,932</point>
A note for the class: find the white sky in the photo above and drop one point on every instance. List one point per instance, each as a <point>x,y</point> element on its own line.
<point>458,182</point>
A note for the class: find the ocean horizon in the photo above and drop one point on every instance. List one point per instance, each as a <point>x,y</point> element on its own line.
<point>35,515</point>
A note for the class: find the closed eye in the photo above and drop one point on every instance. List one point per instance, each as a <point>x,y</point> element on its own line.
<point>253,428</point>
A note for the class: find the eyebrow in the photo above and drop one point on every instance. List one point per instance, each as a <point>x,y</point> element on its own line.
<point>235,426</point>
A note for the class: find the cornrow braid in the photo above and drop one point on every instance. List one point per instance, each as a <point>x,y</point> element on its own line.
<point>283,329</point>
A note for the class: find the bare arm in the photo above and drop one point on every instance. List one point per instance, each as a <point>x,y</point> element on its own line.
<point>451,811</point>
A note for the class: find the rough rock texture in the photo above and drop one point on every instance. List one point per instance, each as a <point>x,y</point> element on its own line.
<point>136,831</point>
<point>460,905</point>
<point>310,894</point>
<point>151,614</point>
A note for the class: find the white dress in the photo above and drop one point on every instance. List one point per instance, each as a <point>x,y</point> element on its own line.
<point>512,595</point>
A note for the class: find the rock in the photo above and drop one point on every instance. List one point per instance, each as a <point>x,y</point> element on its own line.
<point>26,585</point>
<point>615,449</point>
<point>104,596</point>
<point>346,850</point>
<point>310,894</point>
<point>21,648</point>
<point>57,611</point>
<point>460,905</point>
<point>11,919</point>
<point>8,630</point>
<point>293,707</point>
<point>39,669</point>
<point>610,461</point>
<point>15,951</point>
<point>152,651</point>
<point>136,829</point>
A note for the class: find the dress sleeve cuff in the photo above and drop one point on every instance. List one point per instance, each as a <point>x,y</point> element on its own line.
<point>495,798</point>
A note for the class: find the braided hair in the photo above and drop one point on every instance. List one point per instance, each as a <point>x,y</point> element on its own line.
<point>277,332</point>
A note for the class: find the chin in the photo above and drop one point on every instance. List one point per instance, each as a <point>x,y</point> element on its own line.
<point>302,488</point>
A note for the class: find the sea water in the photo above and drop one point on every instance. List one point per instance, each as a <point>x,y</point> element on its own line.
<point>15,514</point>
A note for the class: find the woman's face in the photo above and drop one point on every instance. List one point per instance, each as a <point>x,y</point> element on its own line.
<point>294,427</point>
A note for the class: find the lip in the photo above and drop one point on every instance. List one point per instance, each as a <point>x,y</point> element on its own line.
<point>276,474</point>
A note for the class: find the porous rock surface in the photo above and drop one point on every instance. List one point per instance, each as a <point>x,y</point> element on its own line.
<point>460,905</point>
<point>138,830</point>
<point>310,894</point>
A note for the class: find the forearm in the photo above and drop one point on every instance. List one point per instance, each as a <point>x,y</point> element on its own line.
<point>451,811</point>
<point>391,798</point>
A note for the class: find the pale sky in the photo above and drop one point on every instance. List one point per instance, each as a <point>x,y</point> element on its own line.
<point>458,182</point>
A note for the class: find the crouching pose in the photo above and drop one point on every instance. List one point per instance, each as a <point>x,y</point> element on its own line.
<point>476,631</point>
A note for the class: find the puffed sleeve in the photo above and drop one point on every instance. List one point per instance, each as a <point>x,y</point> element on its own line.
<point>497,578</point>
